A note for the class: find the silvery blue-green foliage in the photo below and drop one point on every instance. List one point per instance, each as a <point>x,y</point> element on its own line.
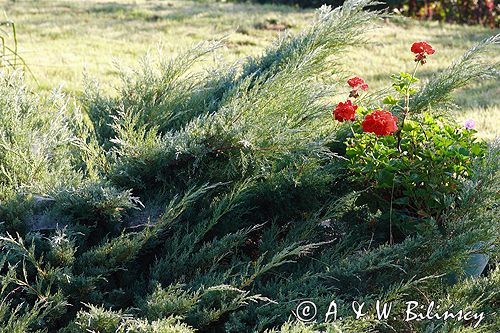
<point>36,147</point>
<point>268,110</point>
<point>36,141</point>
<point>108,321</point>
<point>39,154</point>
<point>166,97</point>
<point>216,202</point>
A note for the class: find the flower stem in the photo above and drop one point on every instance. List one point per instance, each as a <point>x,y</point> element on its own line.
<point>407,105</point>
<point>352,130</point>
<point>391,238</point>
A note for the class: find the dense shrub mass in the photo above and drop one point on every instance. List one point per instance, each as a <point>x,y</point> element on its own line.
<point>484,12</point>
<point>219,201</point>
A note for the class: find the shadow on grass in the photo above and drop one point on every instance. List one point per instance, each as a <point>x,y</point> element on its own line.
<point>466,37</point>
<point>179,11</point>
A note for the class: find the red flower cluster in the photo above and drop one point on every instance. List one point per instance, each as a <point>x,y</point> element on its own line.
<point>380,122</point>
<point>422,50</point>
<point>345,111</point>
<point>356,83</point>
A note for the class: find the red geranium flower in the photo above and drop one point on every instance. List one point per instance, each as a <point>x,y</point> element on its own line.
<point>380,122</point>
<point>345,111</point>
<point>422,50</point>
<point>357,81</point>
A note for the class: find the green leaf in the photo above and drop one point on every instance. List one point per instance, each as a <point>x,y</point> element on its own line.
<point>390,100</point>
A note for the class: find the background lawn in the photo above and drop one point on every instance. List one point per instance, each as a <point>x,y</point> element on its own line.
<point>62,40</point>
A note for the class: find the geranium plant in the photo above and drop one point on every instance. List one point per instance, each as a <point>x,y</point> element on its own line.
<point>409,167</point>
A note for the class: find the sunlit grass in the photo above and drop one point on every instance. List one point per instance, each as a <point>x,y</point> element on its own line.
<point>62,40</point>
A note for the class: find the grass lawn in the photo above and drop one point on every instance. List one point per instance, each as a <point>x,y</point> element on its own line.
<point>62,40</point>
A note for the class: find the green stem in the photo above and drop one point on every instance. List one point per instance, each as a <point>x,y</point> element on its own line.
<point>352,130</point>
<point>391,238</point>
<point>407,105</point>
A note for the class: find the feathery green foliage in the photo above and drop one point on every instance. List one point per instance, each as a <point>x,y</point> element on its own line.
<point>215,203</point>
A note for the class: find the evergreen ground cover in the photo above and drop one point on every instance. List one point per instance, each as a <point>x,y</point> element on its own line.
<point>218,200</point>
